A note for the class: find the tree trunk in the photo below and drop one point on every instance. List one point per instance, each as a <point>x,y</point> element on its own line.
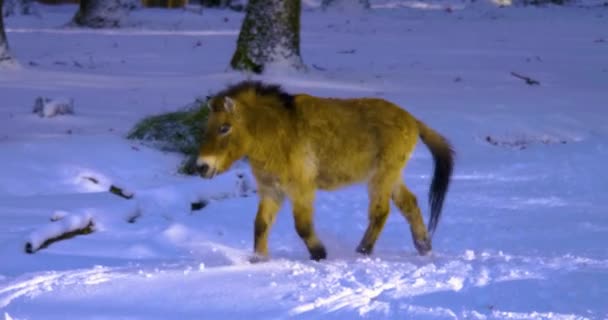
<point>269,37</point>
<point>346,4</point>
<point>101,14</point>
<point>4,51</point>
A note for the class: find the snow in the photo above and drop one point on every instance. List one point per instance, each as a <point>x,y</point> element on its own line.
<point>524,227</point>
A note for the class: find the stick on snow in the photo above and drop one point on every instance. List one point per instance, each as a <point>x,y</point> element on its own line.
<point>528,80</point>
<point>63,229</point>
<point>199,205</point>
<point>121,192</point>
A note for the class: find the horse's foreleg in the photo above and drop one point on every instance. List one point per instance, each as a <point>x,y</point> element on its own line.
<point>303,216</point>
<point>267,212</point>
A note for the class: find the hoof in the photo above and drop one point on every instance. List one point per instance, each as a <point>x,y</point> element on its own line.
<point>365,250</point>
<point>423,246</point>
<point>318,253</point>
<point>258,259</point>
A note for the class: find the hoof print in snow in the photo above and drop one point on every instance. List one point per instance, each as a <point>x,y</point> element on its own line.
<point>258,259</point>
<point>58,215</point>
<point>134,216</point>
<point>63,229</point>
<point>319,67</point>
<point>48,108</point>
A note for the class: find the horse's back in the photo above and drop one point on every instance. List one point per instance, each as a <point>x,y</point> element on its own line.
<point>346,138</point>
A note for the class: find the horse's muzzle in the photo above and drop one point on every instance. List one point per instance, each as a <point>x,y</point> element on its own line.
<point>205,171</point>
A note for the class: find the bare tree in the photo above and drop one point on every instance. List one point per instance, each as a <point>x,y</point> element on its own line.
<point>101,13</point>
<point>270,35</point>
<point>5,54</point>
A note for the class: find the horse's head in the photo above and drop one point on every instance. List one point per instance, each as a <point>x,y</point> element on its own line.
<point>222,142</point>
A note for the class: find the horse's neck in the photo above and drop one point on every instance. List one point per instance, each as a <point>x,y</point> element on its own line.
<point>272,142</point>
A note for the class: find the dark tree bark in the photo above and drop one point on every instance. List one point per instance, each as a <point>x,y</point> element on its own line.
<point>4,51</point>
<point>270,36</point>
<point>101,14</point>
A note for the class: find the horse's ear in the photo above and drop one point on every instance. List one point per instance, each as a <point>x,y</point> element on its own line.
<point>229,104</point>
<point>209,104</point>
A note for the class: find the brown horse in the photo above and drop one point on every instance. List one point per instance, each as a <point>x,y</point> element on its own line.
<point>299,143</point>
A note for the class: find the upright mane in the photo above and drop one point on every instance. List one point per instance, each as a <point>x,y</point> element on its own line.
<point>260,89</point>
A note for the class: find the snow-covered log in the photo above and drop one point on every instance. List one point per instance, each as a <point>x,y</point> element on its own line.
<point>346,5</point>
<point>48,108</point>
<point>101,14</point>
<point>64,228</point>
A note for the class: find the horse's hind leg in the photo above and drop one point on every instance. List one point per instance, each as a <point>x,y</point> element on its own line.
<point>380,188</point>
<point>408,205</point>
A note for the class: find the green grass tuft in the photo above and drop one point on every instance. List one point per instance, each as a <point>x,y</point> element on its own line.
<point>178,131</point>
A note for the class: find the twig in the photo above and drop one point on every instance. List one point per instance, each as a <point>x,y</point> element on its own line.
<point>529,81</point>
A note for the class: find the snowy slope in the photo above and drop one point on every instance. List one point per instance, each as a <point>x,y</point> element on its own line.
<point>523,234</point>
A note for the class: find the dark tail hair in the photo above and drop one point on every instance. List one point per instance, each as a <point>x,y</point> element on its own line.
<point>443,154</point>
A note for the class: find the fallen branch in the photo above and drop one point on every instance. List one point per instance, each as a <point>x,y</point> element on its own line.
<point>63,229</point>
<point>528,80</point>
<point>121,192</point>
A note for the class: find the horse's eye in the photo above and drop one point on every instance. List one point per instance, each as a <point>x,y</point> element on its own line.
<point>224,128</point>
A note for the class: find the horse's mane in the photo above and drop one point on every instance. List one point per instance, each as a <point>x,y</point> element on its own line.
<point>261,89</point>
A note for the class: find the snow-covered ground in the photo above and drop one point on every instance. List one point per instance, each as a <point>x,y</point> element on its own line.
<point>525,229</point>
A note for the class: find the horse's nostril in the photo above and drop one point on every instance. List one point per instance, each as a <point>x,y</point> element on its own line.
<point>203,168</point>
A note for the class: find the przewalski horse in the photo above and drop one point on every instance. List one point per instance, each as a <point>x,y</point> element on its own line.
<point>297,144</point>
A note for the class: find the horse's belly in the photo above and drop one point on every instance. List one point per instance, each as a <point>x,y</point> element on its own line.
<point>329,178</point>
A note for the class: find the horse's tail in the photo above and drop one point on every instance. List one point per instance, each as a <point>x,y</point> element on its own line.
<point>443,154</point>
